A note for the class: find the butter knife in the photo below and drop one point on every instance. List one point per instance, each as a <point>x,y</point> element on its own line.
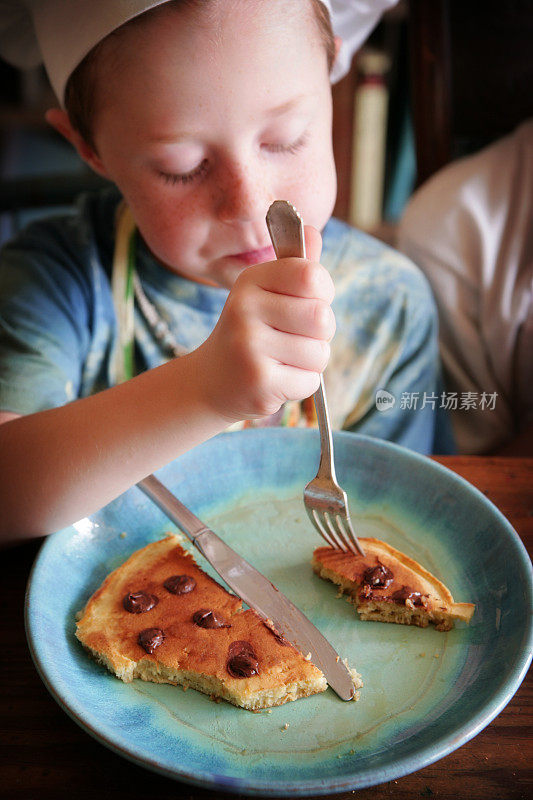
<point>254,589</point>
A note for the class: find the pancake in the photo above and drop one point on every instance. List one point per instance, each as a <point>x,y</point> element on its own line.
<point>160,618</point>
<point>387,586</point>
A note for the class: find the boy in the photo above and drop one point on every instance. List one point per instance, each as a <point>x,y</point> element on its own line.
<point>202,114</point>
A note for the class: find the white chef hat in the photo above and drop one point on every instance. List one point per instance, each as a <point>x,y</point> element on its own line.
<point>60,33</point>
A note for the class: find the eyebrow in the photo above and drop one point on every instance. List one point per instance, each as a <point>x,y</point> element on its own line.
<point>276,111</point>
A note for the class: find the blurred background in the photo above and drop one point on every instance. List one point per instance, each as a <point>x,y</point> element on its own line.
<point>436,80</point>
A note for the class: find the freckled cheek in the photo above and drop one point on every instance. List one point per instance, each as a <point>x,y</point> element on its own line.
<point>169,225</point>
<point>314,191</point>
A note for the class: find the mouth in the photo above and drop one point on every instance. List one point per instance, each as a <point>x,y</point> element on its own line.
<point>250,257</point>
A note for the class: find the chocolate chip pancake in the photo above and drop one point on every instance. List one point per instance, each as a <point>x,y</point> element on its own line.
<point>159,617</point>
<point>387,586</point>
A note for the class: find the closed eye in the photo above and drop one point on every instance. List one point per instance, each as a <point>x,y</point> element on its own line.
<point>287,148</point>
<point>185,177</point>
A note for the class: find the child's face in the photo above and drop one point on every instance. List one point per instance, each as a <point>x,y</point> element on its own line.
<point>204,120</point>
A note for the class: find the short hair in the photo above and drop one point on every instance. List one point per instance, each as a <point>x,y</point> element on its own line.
<point>80,90</point>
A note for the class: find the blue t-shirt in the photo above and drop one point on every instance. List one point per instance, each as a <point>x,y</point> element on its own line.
<point>58,326</point>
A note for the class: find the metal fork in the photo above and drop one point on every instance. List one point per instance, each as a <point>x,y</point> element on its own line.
<point>325,502</point>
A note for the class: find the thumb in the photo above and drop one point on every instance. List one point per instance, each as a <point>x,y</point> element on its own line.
<point>313,243</point>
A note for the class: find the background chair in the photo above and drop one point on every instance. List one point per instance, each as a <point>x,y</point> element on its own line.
<point>471,75</point>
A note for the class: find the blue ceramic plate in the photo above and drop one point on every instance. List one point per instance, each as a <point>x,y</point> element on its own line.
<point>425,692</point>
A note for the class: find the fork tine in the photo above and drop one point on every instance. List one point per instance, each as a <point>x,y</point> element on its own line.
<point>345,535</point>
<point>323,529</point>
<point>316,524</point>
<point>351,538</point>
<point>342,535</point>
<point>336,533</point>
<point>315,519</point>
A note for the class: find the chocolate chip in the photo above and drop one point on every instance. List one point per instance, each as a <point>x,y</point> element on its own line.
<point>406,593</point>
<point>179,584</point>
<point>242,661</point>
<point>205,618</point>
<point>366,592</point>
<point>242,666</point>
<point>150,638</point>
<point>139,602</point>
<point>378,577</point>
<point>241,646</point>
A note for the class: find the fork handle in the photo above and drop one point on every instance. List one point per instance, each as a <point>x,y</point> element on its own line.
<point>286,231</point>
<point>326,468</point>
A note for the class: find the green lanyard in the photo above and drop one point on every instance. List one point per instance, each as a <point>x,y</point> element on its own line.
<point>123,294</point>
<point>126,289</point>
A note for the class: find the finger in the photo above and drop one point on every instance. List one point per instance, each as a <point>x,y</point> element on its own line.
<point>302,316</point>
<point>291,276</point>
<point>296,384</point>
<point>296,351</point>
<point>313,243</point>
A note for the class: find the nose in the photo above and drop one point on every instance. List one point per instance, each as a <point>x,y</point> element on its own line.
<point>242,193</point>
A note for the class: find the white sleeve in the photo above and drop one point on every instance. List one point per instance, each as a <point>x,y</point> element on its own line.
<point>469,228</point>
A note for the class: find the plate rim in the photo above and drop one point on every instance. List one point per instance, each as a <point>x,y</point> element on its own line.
<point>409,763</point>
<point>398,769</point>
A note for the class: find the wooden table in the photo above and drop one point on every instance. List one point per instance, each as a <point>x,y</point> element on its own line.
<point>45,755</point>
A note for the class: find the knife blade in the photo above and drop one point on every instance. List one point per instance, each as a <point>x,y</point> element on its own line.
<point>254,589</point>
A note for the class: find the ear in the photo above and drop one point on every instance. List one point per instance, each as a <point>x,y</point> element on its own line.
<point>338,45</point>
<point>59,120</point>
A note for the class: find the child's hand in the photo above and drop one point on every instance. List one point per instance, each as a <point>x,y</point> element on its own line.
<point>272,339</point>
